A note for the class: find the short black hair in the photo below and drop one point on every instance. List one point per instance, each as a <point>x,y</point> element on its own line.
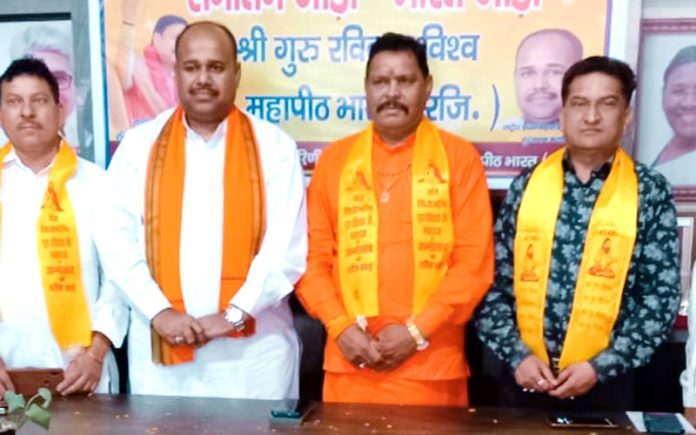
<point>33,67</point>
<point>222,27</point>
<point>398,42</point>
<point>683,56</point>
<point>605,65</point>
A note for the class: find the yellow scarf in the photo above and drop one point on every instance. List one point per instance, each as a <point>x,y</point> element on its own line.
<point>59,254</point>
<point>243,217</point>
<point>358,221</point>
<point>605,261</point>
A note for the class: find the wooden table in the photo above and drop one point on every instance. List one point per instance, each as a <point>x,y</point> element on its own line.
<point>113,415</point>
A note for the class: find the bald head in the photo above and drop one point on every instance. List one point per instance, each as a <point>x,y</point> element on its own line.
<point>542,59</point>
<point>550,39</point>
<point>204,28</point>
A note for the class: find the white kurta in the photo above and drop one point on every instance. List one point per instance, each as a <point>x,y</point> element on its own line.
<point>26,339</point>
<point>265,365</point>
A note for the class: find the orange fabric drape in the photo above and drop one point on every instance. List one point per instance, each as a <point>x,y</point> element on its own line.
<point>243,220</point>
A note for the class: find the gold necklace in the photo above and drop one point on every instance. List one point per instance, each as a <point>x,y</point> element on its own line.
<point>384,195</point>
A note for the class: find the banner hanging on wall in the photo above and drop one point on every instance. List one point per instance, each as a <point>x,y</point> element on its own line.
<point>497,64</point>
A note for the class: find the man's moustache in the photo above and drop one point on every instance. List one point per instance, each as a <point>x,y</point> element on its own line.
<point>207,89</point>
<point>392,105</point>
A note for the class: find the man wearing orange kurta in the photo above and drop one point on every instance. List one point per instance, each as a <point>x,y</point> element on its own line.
<point>400,244</point>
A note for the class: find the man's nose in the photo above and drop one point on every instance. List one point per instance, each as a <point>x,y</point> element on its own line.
<point>393,90</point>
<point>27,110</point>
<point>592,115</point>
<point>203,76</point>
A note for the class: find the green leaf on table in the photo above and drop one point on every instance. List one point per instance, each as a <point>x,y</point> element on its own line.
<point>14,401</point>
<point>46,395</point>
<point>39,415</point>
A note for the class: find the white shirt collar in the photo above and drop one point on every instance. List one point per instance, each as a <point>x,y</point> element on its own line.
<point>12,158</point>
<point>214,140</point>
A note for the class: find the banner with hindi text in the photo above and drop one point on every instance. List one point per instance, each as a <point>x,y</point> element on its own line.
<point>303,64</point>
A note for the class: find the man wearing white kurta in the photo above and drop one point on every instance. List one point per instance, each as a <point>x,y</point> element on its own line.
<point>265,364</point>
<point>26,339</point>
<point>32,121</point>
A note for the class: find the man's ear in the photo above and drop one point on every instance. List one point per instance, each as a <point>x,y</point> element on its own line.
<point>238,67</point>
<point>61,114</point>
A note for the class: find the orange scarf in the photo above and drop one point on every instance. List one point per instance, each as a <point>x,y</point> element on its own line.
<point>243,217</point>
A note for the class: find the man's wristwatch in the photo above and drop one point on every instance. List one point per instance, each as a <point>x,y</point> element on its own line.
<point>421,342</point>
<point>235,316</point>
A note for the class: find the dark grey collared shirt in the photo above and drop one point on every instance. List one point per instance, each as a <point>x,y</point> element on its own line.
<point>651,293</point>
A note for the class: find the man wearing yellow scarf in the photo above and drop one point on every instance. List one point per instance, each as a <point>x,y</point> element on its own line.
<point>210,236</point>
<point>55,311</point>
<point>400,244</point>
<point>587,278</point>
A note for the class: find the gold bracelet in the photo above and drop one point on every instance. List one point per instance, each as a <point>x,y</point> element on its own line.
<point>421,342</point>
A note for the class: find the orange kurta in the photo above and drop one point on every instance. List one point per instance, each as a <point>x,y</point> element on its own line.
<point>469,275</point>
